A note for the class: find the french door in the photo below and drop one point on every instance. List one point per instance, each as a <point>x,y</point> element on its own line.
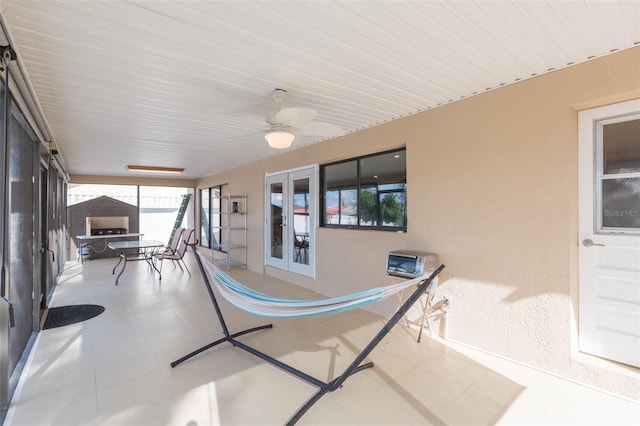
<point>609,246</point>
<point>290,207</point>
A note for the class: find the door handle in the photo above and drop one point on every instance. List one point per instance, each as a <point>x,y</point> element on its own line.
<point>589,243</point>
<point>53,255</point>
<point>44,248</point>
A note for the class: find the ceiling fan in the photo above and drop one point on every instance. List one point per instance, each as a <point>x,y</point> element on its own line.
<point>285,124</point>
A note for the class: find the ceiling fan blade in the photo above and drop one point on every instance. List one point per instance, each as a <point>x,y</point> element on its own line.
<point>318,128</point>
<point>295,116</point>
<point>265,124</point>
<point>250,133</point>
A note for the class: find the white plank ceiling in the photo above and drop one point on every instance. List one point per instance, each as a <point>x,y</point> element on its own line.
<point>186,83</point>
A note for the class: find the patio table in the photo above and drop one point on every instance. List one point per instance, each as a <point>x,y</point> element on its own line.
<point>135,250</point>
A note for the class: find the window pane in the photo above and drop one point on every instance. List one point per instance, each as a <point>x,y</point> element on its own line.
<point>79,193</point>
<point>621,203</point>
<point>383,169</point>
<point>348,210</point>
<point>331,211</point>
<point>393,208</point>
<point>382,199</point>
<point>369,207</point>
<point>159,208</point>
<point>621,147</point>
<point>216,193</point>
<point>205,220</point>
<point>340,197</point>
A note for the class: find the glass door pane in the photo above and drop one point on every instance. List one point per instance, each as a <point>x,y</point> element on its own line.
<point>276,223</point>
<point>621,203</point>
<point>621,147</point>
<point>618,172</point>
<point>301,210</point>
<point>301,216</point>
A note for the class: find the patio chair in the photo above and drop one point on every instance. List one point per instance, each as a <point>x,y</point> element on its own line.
<point>301,244</point>
<point>173,244</point>
<point>168,249</point>
<point>176,256</point>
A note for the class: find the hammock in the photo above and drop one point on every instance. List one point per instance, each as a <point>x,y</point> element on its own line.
<point>257,303</point>
<point>261,304</point>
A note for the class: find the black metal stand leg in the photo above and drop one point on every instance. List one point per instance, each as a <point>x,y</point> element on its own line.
<point>289,369</point>
<point>217,342</point>
<point>322,392</point>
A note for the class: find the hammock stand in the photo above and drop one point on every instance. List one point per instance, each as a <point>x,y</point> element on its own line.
<point>324,388</point>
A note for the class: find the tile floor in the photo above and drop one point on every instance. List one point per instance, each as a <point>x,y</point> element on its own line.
<point>114,369</point>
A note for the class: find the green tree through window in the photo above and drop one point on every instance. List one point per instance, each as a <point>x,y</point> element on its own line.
<point>392,210</point>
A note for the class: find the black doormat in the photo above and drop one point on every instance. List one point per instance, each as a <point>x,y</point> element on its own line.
<point>67,315</point>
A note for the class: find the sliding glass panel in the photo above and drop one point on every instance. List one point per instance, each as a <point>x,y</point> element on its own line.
<point>79,193</point>
<point>382,190</point>
<point>340,194</point>
<point>21,236</point>
<point>205,219</point>
<point>163,209</point>
<point>393,205</point>
<point>216,237</point>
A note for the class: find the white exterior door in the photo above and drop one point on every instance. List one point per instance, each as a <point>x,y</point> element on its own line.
<point>609,232</point>
<point>291,210</point>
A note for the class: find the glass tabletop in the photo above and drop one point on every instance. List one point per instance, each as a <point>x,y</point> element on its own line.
<point>137,244</point>
<point>108,236</point>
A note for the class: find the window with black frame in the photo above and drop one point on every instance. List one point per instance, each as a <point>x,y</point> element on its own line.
<point>210,217</point>
<point>368,192</point>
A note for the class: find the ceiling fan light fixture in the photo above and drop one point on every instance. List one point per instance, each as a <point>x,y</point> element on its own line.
<point>279,139</point>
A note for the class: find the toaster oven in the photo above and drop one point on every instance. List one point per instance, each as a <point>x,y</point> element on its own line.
<point>410,264</point>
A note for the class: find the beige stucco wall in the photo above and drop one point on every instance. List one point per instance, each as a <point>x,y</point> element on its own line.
<point>492,188</point>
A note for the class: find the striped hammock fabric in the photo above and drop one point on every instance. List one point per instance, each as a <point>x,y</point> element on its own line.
<point>257,303</point>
